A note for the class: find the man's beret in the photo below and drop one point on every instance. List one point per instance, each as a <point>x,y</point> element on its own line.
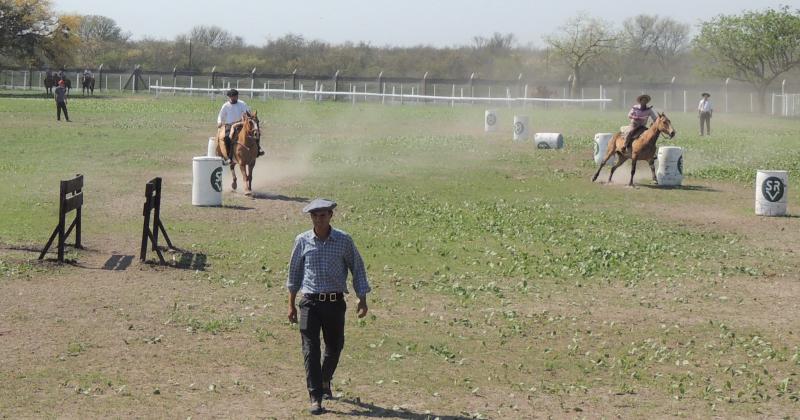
<point>319,204</point>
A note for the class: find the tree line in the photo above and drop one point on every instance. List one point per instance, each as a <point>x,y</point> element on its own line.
<point>755,47</point>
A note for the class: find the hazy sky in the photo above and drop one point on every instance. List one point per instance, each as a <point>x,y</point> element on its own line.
<point>380,22</point>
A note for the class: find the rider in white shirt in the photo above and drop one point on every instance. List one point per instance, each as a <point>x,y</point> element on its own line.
<point>231,113</point>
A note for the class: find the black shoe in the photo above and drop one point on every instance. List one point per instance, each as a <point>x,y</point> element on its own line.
<point>316,407</point>
<point>326,390</point>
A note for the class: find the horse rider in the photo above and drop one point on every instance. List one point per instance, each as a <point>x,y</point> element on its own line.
<point>638,115</point>
<point>231,113</point>
<point>87,74</point>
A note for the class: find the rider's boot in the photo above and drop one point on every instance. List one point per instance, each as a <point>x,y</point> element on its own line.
<point>629,144</point>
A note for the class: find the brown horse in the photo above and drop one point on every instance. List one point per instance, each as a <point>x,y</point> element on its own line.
<point>643,148</point>
<point>87,85</point>
<point>245,148</point>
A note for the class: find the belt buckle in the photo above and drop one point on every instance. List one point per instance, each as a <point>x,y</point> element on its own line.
<point>321,297</point>
<point>332,297</point>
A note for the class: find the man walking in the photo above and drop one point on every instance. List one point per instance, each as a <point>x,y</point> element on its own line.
<point>60,95</point>
<point>318,270</point>
<point>704,109</point>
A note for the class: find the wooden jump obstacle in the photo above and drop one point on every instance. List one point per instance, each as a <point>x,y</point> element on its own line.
<point>70,198</point>
<point>152,205</point>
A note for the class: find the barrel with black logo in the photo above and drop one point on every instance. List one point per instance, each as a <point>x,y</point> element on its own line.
<point>521,128</point>
<point>548,141</point>
<point>771,192</point>
<point>490,121</point>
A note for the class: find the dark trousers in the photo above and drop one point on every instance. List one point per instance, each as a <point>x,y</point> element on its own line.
<point>61,106</point>
<point>705,117</point>
<point>329,317</point>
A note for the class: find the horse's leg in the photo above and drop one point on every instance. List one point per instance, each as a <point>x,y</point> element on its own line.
<point>244,168</point>
<point>610,152</point>
<point>233,174</point>
<point>633,171</point>
<point>653,170</point>
<point>621,158</point>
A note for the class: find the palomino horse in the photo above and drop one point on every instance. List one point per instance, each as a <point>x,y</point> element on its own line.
<point>245,148</point>
<point>87,83</point>
<point>643,148</point>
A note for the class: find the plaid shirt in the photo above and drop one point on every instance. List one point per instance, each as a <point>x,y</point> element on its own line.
<point>319,266</point>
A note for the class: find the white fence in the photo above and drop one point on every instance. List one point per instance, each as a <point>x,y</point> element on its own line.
<point>786,105</point>
<point>320,94</point>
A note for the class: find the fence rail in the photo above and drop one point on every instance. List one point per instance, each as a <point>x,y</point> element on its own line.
<point>728,96</point>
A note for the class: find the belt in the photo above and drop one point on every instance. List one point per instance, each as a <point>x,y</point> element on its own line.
<point>322,297</point>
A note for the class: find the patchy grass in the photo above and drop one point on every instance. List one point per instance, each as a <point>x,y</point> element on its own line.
<point>505,283</point>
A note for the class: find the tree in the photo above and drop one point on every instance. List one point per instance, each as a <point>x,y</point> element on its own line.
<point>581,41</point>
<point>24,25</point>
<point>99,35</point>
<point>755,47</point>
<point>645,36</point>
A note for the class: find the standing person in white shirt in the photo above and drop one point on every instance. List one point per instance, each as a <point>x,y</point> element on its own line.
<point>704,109</point>
<point>231,113</point>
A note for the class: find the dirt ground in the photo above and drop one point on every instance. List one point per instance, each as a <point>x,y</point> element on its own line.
<point>109,337</point>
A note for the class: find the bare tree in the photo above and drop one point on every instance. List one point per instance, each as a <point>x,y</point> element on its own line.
<point>98,35</point>
<point>645,36</point>
<point>581,41</point>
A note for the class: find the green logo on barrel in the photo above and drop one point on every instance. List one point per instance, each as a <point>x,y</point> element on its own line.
<point>216,179</point>
<point>773,189</point>
<point>680,165</point>
<point>491,119</point>
<point>596,148</point>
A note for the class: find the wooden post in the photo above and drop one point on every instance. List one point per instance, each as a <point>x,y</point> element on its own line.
<point>73,188</point>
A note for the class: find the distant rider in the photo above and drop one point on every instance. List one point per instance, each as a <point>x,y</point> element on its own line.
<point>639,114</point>
<point>231,113</point>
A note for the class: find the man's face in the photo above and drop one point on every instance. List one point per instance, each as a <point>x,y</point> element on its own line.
<point>233,99</point>
<point>321,218</point>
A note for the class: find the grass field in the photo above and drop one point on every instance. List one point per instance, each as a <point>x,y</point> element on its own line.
<point>505,283</point>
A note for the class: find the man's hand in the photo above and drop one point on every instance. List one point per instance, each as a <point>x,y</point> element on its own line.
<point>361,308</point>
<point>292,314</point>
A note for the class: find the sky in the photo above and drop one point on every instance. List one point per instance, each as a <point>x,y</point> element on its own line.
<point>398,23</point>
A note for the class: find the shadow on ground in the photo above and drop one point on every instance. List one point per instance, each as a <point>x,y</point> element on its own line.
<point>278,197</point>
<point>362,409</point>
<point>701,188</point>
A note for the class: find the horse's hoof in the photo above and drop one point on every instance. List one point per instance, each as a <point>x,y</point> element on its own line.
<point>248,193</point>
<point>233,186</point>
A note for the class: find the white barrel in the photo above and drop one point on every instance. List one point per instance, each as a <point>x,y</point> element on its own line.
<point>548,140</point>
<point>521,127</point>
<point>669,169</point>
<point>490,121</point>
<point>207,181</point>
<point>601,148</point>
<point>212,147</point>
<point>771,192</point>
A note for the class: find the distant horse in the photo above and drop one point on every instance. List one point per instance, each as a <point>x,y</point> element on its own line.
<point>87,83</point>
<point>49,82</point>
<point>643,148</point>
<point>245,136</point>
